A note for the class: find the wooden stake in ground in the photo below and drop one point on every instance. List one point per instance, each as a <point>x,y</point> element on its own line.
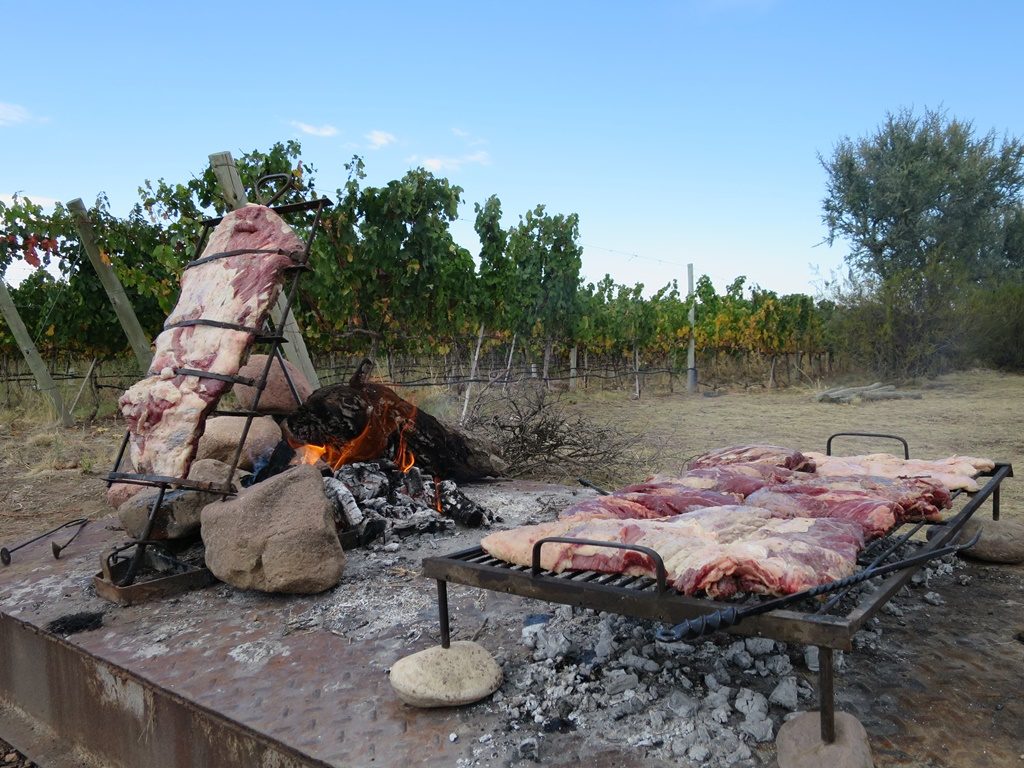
<point>224,169</point>
<point>44,381</point>
<point>472,375</point>
<point>137,337</point>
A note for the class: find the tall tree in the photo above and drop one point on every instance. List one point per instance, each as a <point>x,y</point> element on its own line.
<point>930,210</point>
<point>922,190</point>
<point>548,260</point>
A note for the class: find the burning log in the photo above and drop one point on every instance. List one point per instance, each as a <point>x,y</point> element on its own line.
<point>364,421</point>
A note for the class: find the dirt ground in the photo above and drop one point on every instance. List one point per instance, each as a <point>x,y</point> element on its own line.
<point>50,475</point>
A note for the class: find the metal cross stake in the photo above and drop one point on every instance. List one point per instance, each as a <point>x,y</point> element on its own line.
<point>5,553</point>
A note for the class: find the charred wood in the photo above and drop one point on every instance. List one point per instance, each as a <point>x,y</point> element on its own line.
<point>339,414</point>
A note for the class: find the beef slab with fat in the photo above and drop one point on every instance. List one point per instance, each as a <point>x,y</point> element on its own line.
<point>166,411</point>
<point>718,551</point>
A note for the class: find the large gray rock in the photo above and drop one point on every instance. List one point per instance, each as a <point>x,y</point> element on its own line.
<point>799,743</point>
<point>446,677</point>
<point>275,536</point>
<point>1002,541</point>
<point>222,434</point>
<point>180,509</point>
<point>277,397</point>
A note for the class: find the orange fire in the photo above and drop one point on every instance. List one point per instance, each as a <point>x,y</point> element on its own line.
<point>370,444</point>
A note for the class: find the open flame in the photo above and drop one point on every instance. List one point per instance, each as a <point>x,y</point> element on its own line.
<point>369,445</point>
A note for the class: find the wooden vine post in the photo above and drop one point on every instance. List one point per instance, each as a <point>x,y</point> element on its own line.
<point>44,381</point>
<point>691,357</point>
<point>226,171</point>
<point>137,337</point>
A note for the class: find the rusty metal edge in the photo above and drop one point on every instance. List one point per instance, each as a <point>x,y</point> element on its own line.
<point>142,591</point>
<point>55,695</point>
<point>670,607</point>
<point>872,603</point>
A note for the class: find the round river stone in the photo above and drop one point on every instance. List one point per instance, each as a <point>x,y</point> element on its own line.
<point>1002,541</point>
<point>446,677</point>
<point>799,743</point>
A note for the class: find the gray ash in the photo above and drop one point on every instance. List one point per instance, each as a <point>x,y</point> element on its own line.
<point>378,498</point>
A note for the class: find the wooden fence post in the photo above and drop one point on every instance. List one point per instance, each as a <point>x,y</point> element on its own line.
<point>226,171</point>
<point>43,379</point>
<point>115,291</point>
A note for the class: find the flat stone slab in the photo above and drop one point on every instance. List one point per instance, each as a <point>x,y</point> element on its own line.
<point>799,743</point>
<point>446,677</point>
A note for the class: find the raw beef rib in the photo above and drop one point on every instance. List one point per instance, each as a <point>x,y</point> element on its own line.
<point>719,550</point>
<point>754,454</point>
<point>167,411</point>
<point>654,503</point>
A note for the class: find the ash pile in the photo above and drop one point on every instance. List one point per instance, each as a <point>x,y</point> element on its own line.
<point>710,703</point>
<point>714,702</point>
<point>372,499</point>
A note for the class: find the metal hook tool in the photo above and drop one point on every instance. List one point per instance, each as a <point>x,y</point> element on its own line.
<point>5,553</point>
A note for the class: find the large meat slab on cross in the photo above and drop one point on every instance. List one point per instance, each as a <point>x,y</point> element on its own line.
<point>166,411</point>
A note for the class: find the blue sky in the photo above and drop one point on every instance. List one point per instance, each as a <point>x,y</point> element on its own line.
<point>679,132</point>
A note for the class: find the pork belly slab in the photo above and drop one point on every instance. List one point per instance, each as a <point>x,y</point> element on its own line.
<point>718,551</point>
<point>953,472</point>
<point>166,411</point>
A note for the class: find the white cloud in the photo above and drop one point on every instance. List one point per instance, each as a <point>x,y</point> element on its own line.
<point>380,139</point>
<point>13,114</point>
<point>468,138</point>
<point>315,130</point>
<point>437,164</point>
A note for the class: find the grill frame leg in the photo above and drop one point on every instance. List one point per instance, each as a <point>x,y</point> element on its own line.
<point>826,695</point>
<point>442,613</point>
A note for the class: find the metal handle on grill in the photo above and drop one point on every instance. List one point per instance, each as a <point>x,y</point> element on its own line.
<point>659,564</point>
<point>727,617</point>
<point>828,444</point>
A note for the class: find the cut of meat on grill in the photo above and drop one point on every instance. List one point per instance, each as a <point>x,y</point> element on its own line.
<point>166,411</point>
<point>754,454</point>
<point>608,508</point>
<point>719,550</point>
<point>658,502</point>
<point>667,501</point>
<point>953,472</point>
<point>742,479</point>
<point>874,514</point>
<point>918,497</point>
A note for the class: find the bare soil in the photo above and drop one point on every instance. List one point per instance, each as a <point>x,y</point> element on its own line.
<point>926,717</point>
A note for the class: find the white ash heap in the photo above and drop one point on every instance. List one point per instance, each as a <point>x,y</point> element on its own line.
<point>375,498</point>
<point>718,701</point>
<point>709,703</point>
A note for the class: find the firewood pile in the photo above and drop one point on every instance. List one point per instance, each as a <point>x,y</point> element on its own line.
<point>870,393</point>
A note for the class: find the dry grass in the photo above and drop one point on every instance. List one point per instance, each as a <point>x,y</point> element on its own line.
<point>49,475</point>
<point>979,413</point>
